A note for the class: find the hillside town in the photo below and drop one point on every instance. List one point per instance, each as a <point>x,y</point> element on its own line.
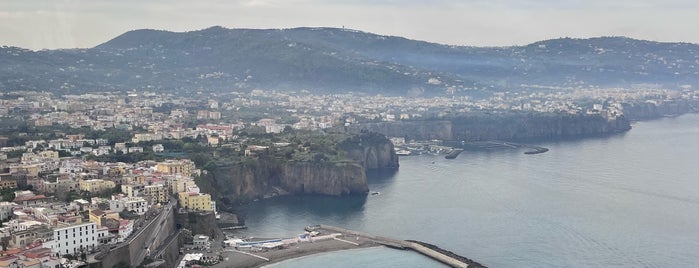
<point>80,174</point>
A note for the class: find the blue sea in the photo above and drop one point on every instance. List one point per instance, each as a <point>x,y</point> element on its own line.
<point>627,200</point>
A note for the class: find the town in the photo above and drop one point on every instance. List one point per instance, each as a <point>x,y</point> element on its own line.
<point>84,174</point>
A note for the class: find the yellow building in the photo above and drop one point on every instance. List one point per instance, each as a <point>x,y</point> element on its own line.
<point>96,185</point>
<point>195,201</point>
<point>32,170</point>
<point>175,167</point>
<point>97,216</point>
<point>49,154</point>
<point>8,184</point>
<point>132,190</point>
<point>178,185</point>
<point>157,193</point>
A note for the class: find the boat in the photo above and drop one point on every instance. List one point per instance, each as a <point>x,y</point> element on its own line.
<point>375,193</point>
<point>403,152</point>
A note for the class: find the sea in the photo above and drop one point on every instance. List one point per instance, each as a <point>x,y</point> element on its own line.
<point>626,200</point>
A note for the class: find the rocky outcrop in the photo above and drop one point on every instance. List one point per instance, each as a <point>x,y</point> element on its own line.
<point>374,151</point>
<point>256,178</point>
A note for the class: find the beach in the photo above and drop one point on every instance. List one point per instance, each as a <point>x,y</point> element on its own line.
<point>238,259</point>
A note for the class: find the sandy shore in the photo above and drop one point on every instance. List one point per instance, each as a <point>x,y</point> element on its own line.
<point>236,259</point>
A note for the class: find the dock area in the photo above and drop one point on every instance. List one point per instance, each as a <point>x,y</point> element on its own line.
<point>324,238</point>
<point>401,244</point>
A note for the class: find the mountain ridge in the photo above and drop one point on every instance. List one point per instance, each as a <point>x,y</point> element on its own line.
<point>324,59</point>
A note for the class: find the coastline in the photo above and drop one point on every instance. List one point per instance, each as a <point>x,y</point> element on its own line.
<point>299,250</point>
<point>327,238</point>
<point>314,254</point>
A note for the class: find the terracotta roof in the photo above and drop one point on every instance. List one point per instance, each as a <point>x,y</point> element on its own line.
<point>29,198</point>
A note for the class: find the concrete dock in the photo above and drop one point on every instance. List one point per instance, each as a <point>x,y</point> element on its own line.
<point>399,244</point>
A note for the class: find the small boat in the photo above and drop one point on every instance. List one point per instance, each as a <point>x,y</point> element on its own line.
<point>375,193</point>
<point>403,153</point>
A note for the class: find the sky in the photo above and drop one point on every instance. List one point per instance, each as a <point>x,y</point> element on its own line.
<point>50,24</point>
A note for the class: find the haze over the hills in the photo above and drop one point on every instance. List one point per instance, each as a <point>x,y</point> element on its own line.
<point>342,60</point>
<point>51,24</point>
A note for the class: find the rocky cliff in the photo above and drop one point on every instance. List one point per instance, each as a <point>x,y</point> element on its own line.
<point>657,109</point>
<point>372,150</point>
<point>323,178</point>
<point>507,127</point>
<point>526,126</point>
<point>261,177</point>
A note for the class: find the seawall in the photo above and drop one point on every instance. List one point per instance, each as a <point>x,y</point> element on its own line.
<point>152,236</point>
<point>434,252</point>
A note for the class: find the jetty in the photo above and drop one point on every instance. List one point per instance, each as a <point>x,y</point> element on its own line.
<point>428,250</point>
<point>453,153</point>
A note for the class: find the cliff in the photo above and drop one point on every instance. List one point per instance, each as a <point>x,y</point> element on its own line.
<point>652,110</point>
<point>265,176</point>
<point>372,150</point>
<point>506,127</point>
<point>516,127</point>
<point>323,178</point>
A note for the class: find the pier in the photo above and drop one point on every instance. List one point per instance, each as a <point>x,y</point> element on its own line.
<point>401,244</point>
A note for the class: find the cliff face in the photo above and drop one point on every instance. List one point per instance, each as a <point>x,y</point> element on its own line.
<point>507,127</point>
<point>259,177</point>
<point>523,127</point>
<point>415,130</point>
<point>323,178</point>
<point>651,110</point>
<point>381,155</point>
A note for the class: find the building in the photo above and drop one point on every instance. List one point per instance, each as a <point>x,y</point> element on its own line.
<point>99,216</point>
<point>201,241</point>
<point>195,201</point>
<point>179,185</point>
<point>138,205</point>
<point>125,230</point>
<point>35,233</point>
<point>157,193</point>
<point>132,190</point>
<point>74,239</point>
<point>6,209</point>
<point>183,167</point>
<point>30,200</point>
<point>96,185</point>
<point>158,148</point>
<point>103,236</point>
<point>8,184</point>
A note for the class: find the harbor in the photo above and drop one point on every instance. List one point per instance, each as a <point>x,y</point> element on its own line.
<point>452,149</point>
<point>324,238</point>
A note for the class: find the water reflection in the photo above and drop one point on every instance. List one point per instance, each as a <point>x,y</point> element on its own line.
<point>295,212</point>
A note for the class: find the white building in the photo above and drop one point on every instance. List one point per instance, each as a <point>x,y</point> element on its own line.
<point>201,241</point>
<point>125,230</point>
<point>74,239</point>
<point>6,209</point>
<point>139,205</point>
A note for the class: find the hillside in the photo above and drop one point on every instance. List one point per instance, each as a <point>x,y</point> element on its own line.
<point>340,60</point>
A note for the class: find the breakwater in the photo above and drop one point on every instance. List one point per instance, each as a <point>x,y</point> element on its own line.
<point>428,250</point>
<point>471,263</point>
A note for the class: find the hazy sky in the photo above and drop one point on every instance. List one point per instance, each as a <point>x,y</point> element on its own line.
<point>38,24</point>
